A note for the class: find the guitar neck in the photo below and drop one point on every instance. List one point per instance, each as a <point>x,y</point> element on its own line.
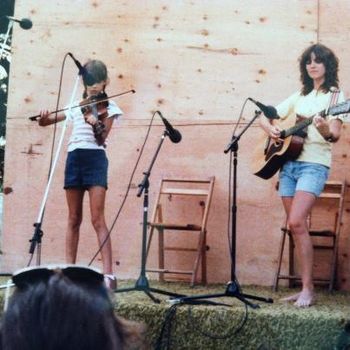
<point>303,124</point>
<point>339,108</point>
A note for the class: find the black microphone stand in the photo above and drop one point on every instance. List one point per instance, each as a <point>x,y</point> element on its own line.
<point>142,283</point>
<point>233,288</point>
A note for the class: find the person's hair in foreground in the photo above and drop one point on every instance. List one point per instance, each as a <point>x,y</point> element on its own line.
<point>63,308</point>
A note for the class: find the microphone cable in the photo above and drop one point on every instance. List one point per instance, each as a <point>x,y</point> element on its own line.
<point>127,191</point>
<point>56,113</point>
<point>167,341</point>
<point>54,133</point>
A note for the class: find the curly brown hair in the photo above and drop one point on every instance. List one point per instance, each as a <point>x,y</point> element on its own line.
<point>330,61</point>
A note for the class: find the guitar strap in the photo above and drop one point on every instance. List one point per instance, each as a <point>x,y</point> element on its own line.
<point>333,100</point>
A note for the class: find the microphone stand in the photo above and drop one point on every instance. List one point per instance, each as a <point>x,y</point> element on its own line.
<point>4,43</point>
<point>142,283</point>
<point>38,233</point>
<point>233,288</point>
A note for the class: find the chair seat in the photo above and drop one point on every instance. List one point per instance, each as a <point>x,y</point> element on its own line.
<point>166,226</point>
<point>179,272</point>
<point>322,233</point>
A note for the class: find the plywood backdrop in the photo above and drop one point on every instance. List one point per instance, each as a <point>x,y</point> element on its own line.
<point>196,62</point>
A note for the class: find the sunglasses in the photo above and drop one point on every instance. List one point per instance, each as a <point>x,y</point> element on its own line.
<point>30,275</point>
<point>76,273</point>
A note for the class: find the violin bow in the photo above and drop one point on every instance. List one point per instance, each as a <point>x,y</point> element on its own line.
<point>35,117</point>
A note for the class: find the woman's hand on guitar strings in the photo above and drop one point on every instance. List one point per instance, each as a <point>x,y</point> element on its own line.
<point>274,132</point>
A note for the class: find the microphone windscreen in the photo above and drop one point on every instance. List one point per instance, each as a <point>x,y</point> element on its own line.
<point>26,23</point>
<point>175,136</point>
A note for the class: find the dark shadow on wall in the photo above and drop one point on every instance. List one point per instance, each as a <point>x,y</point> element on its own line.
<point>6,9</point>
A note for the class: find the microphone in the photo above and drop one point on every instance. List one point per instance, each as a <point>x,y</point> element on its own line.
<point>174,135</point>
<point>270,112</point>
<point>82,70</point>
<point>24,23</point>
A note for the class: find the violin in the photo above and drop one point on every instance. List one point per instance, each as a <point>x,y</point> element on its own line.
<point>96,106</point>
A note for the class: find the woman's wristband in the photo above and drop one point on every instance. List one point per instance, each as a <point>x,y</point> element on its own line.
<point>330,138</point>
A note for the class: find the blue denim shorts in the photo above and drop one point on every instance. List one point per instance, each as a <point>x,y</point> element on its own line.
<point>302,176</point>
<point>86,168</point>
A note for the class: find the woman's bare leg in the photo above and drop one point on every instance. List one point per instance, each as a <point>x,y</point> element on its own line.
<point>287,204</point>
<point>298,209</point>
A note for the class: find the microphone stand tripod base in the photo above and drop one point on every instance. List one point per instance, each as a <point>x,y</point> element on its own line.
<point>232,290</point>
<point>142,285</point>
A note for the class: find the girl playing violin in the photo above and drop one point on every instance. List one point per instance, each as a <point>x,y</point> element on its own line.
<point>87,164</point>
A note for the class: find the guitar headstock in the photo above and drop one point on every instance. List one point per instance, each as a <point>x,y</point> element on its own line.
<point>340,108</point>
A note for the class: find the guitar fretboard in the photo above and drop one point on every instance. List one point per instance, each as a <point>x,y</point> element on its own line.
<point>306,122</point>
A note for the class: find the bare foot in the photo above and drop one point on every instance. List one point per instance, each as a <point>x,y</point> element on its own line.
<point>293,297</point>
<point>305,299</point>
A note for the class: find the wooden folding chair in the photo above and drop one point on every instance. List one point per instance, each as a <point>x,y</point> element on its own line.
<point>325,233</point>
<point>181,207</point>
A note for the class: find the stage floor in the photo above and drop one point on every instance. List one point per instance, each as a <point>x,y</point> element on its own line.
<point>279,325</point>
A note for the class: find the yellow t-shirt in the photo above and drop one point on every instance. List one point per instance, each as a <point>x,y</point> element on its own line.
<point>316,149</point>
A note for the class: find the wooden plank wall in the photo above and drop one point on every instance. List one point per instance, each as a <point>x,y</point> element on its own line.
<point>196,62</point>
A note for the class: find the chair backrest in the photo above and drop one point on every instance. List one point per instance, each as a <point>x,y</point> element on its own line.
<point>181,196</point>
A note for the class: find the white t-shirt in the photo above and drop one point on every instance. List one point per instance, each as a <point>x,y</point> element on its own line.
<point>83,135</point>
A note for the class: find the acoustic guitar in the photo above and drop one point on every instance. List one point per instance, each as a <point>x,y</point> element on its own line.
<point>272,154</point>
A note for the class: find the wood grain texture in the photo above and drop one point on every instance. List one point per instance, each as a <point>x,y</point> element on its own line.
<point>196,62</point>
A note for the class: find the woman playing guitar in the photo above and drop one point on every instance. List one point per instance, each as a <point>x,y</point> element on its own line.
<point>301,180</point>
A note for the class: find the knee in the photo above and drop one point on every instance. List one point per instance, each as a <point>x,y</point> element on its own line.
<point>98,222</point>
<point>296,226</point>
<point>74,221</point>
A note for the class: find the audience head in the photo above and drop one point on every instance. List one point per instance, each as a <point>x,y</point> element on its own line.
<point>65,307</point>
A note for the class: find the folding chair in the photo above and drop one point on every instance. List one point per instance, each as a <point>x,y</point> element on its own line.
<point>182,207</point>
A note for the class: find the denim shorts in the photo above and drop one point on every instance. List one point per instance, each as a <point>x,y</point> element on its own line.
<point>302,176</point>
<point>86,168</point>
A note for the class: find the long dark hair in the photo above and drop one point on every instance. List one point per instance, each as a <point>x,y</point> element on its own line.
<point>59,314</point>
<point>330,61</point>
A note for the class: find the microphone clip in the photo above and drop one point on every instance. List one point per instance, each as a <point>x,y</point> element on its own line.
<point>233,145</point>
